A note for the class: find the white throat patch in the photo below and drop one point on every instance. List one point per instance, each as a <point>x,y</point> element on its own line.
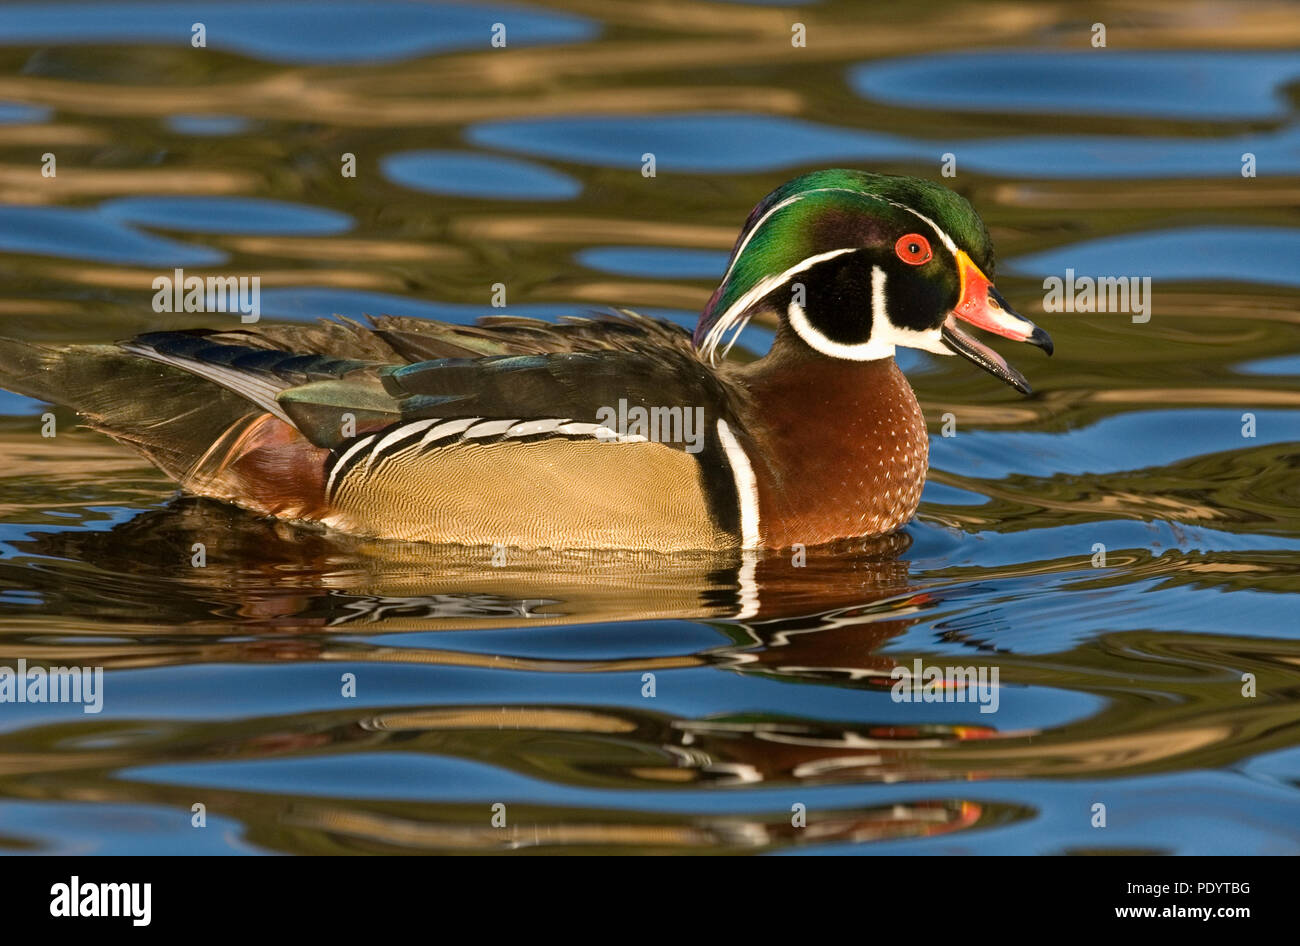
<point>885,335</point>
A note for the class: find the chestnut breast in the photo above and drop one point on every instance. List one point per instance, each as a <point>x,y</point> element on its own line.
<point>841,449</point>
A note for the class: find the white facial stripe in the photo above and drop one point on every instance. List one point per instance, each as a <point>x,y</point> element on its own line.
<point>885,335</point>
<point>746,486</point>
<point>734,317</point>
<point>740,250</point>
<point>930,340</point>
<point>947,240</point>
<point>763,287</point>
<point>943,237</point>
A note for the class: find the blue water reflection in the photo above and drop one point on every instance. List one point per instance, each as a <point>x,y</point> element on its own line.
<point>1194,85</point>
<point>704,143</point>
<point>74,233</point>
<point>1197,254</point>
<point>323,32</point>
<point>225,215</point>
<point>466,174</point>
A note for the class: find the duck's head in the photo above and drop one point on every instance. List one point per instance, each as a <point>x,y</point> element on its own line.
<point>854,264</point>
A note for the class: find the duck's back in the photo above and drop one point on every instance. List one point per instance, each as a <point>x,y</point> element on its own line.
<point>500,433</point>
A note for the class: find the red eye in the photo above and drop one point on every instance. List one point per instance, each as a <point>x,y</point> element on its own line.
<point>913,248</point>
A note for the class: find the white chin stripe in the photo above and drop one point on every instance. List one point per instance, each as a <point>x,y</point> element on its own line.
<point>885,335</point>
<point>873,349</point>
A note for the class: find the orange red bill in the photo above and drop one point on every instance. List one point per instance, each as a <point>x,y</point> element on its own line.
<point>981,305</point>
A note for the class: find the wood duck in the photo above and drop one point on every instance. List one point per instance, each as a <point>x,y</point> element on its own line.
<point>615,431</point>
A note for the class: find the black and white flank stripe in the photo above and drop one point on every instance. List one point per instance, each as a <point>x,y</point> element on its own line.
<point>372,451</point>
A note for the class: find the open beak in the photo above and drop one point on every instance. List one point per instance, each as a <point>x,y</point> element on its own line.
<point>983,307</point>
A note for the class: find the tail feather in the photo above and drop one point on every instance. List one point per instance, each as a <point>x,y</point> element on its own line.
<point>170,415</point>
<point>26,369</point>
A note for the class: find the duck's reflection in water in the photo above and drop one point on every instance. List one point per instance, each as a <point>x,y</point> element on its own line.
<point>225,569</point>
<point>268,592</point>
<point>384,832</point>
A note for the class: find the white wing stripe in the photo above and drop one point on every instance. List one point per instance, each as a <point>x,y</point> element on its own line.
<point>401,433</point>
<point>334,472</point>
<point>468,428</point>
<point>530,427</point>
<point>447,429</point>
<point>490,428</point>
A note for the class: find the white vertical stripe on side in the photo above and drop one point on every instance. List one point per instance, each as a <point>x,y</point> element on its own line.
<point>746,486</point>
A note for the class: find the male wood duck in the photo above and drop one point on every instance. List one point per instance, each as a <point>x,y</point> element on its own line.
<point>515,431</point>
